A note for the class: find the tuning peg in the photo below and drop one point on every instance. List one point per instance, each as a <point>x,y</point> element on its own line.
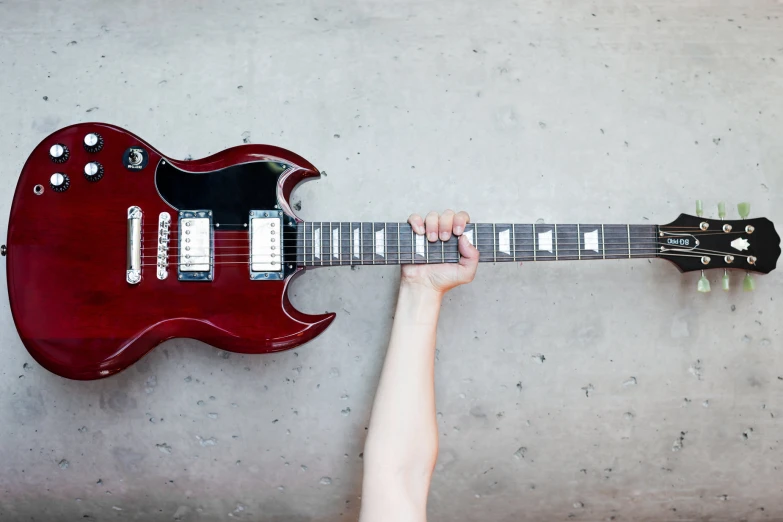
<point>699,208</point>
<point>704,284</point>
<point>744,210</point>
<point>726,284</point>
<point>722,209</point>
<point>748,284</point>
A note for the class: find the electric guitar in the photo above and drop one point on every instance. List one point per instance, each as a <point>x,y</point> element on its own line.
<point>114,248</point>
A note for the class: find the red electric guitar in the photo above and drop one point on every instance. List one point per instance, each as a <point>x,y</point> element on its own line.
<point>114,248</point>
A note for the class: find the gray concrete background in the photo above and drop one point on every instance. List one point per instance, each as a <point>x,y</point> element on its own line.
<point>652,402</point>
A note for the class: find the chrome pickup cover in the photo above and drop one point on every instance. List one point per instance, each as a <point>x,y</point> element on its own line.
<point>196,240</point>
<point>266,244</point>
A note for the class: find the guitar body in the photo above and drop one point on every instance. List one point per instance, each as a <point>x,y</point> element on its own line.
<point>67,253</point>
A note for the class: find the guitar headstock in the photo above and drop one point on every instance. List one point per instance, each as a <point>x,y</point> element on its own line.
<point>699,243</point>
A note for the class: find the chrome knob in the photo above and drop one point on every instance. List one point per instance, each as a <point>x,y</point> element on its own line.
<point>93,171</point>
<point>93,142</point>
<point>59,182</point>
<point>59,153</point>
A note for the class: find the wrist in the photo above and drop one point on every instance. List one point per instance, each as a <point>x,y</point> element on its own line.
<point>418,304</point>
<point>419,290</point>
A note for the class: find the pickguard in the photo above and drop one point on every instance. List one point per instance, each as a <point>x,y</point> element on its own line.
<point>231,192</point>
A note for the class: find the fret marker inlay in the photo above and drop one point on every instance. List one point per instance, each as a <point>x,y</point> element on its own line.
<point>469,234</point>
<point>545,241</point>
<point>504,240</point>
<point>336,243</point>
<point>591,241</point>
<point>317,243</point>
<point>356,252</point>
<point>379,243</point>
<point>419,245</point>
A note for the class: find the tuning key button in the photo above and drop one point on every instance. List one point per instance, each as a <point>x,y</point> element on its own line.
<point>59,153</point>
<point>93,171</point>
<point>93,142</point>
<point>59,182</point>
<point>748,284</point>
<point>703,285</point>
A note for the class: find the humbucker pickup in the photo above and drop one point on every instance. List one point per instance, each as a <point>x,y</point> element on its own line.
<point>196,246</point>
<point>266,244</point>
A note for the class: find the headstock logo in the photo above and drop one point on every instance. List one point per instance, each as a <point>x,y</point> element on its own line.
<point>740,244</point>
<point>678,241</point>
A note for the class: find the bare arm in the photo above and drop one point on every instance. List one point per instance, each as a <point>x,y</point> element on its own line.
<point>402,443</point>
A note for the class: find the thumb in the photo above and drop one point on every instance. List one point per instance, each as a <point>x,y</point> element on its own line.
<point>469,258</point>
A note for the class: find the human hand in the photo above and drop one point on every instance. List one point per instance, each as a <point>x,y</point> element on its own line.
<point>442,277</point>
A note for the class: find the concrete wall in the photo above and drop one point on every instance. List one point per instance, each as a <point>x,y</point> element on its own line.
<point>592,391</point>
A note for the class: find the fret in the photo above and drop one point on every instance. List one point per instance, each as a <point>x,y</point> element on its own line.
<point>399,250</point>
<point>327,250</point>
<point>368,243</point>
<point>494,245</point>
<point>504,248</point>
<point>545,242</point>
<point>628,229</point>
<point>315,246</point>
<point>644,240</point>
<point>442,248</point>
<point>485,245</point>
<point>513,243</point>
<point>406,243</point>
<point>591,238</point>
<point>470,233</point>
<point>567,243</point>
<point>535,258</point>
<point>418,247</point>
<point>524,243</point>
<point>345,243</point>
<point>385,245</point>
<point>451,250</point>
<point>555,240</point>
<point>392,247</point>
<point>603,242</point>
<point>434,251</point>
<point>305,240</point>
<point>578,242</point>
<point>379,243</point>
<point>616,241</point>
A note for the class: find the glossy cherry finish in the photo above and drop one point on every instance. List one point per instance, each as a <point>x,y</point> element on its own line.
<point>66,264</point>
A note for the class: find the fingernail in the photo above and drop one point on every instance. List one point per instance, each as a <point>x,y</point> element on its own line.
<point>458,230</point>
<point>444,236</point>
<point>432,236</point>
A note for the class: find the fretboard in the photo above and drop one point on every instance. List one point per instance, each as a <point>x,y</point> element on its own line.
<point>333,243</point>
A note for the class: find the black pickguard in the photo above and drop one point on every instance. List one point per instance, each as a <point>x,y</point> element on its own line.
<point>230,193</point>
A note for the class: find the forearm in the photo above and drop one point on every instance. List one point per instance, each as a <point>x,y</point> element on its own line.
<point>402,443</point>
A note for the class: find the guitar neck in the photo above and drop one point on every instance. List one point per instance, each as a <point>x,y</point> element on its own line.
<point>334,243</point>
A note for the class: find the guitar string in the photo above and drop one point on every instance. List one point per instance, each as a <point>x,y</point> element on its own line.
<point>399,255</point>
<point>363,262</point>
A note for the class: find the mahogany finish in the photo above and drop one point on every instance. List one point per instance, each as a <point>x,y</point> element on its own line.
<point>66,265</point>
